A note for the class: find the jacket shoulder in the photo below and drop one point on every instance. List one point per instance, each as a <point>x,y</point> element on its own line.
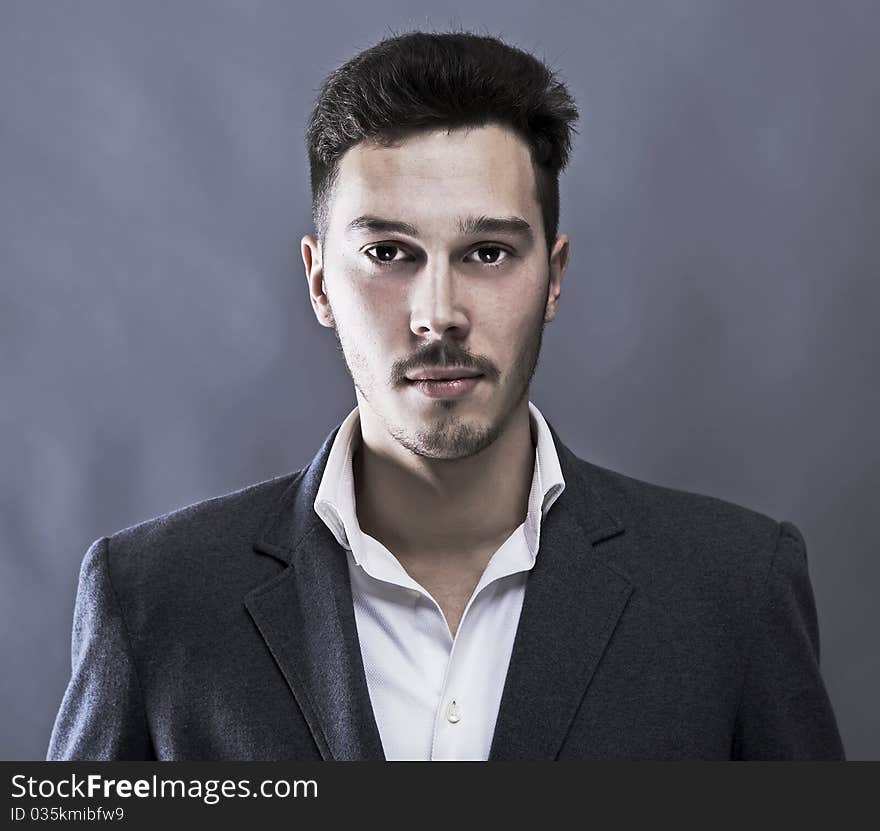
<point>223,513</point>
<point>679,518</point>
<point>219,531</point>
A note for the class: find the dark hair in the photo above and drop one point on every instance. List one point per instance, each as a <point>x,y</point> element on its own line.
<point>423,80</point>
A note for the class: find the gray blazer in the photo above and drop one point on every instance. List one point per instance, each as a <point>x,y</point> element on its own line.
<point>657,624</point>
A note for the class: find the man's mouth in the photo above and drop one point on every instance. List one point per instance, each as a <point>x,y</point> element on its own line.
<point>442,374</point>
<point>445,387</point>
<point>443,380</point>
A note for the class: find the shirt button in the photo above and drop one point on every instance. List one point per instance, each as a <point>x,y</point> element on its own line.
<point>453,712</point>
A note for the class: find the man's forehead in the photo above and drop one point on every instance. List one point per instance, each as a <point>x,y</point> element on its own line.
<point>482,171</point>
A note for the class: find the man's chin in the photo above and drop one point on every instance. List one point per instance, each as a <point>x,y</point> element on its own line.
<point>458,438</point>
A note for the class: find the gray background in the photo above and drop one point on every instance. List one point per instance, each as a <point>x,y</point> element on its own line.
<point>718,330</point>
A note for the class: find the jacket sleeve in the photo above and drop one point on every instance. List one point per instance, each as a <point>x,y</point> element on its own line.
<point>102,715</point>
<point>785,711</point>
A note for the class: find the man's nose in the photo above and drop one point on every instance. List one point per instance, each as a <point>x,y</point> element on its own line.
<point>436,305</point>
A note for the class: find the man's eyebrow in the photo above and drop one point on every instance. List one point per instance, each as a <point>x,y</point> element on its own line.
<point>469,225</point>
<point>495,225</point>
<point>378,225</point>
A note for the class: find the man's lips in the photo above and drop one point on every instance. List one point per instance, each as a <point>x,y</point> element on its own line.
<point>448,388</point>
<point>442,374</point>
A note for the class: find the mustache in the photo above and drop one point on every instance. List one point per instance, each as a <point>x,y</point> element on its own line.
<point>445,355</point>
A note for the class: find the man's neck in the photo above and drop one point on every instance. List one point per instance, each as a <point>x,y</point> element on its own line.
<point>420,506</point>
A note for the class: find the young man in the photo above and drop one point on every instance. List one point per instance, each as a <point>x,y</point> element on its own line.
<point>445,580</point>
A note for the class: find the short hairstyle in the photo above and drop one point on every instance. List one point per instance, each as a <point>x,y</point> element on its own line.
<point>423,80</point>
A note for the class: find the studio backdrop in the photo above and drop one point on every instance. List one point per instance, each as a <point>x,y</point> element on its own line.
<point>718,322</point>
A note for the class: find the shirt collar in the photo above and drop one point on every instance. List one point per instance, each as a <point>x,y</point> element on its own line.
<point>335,500</point>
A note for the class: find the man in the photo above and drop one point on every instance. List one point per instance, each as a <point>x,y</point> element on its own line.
<point>445,580</point>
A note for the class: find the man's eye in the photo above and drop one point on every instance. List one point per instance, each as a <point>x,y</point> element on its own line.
<point>385,253</point>
<point>490,254</point>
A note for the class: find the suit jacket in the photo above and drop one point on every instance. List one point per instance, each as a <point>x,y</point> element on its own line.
<point>656,624</point>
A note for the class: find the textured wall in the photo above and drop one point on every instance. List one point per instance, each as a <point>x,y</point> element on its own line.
<point>719,325</point>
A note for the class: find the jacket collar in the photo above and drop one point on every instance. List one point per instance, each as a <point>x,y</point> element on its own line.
<point>572,602</point>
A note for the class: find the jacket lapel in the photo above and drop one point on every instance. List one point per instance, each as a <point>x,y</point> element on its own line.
<point>306,616</point>
<point>572,603</point>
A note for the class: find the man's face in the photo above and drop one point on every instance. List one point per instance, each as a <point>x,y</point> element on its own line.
<point>417,272</point>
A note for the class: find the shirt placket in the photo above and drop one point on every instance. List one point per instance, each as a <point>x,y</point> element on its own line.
<point>450,719</point>
<point>454,735</point>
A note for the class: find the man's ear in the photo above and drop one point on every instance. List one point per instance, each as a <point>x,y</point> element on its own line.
<point>314,263</point>
<point>558,264</point>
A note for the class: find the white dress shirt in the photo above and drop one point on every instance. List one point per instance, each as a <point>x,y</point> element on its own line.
<point>434,697</point>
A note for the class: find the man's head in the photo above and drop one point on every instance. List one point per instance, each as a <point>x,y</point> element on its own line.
<point>434,164</point>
